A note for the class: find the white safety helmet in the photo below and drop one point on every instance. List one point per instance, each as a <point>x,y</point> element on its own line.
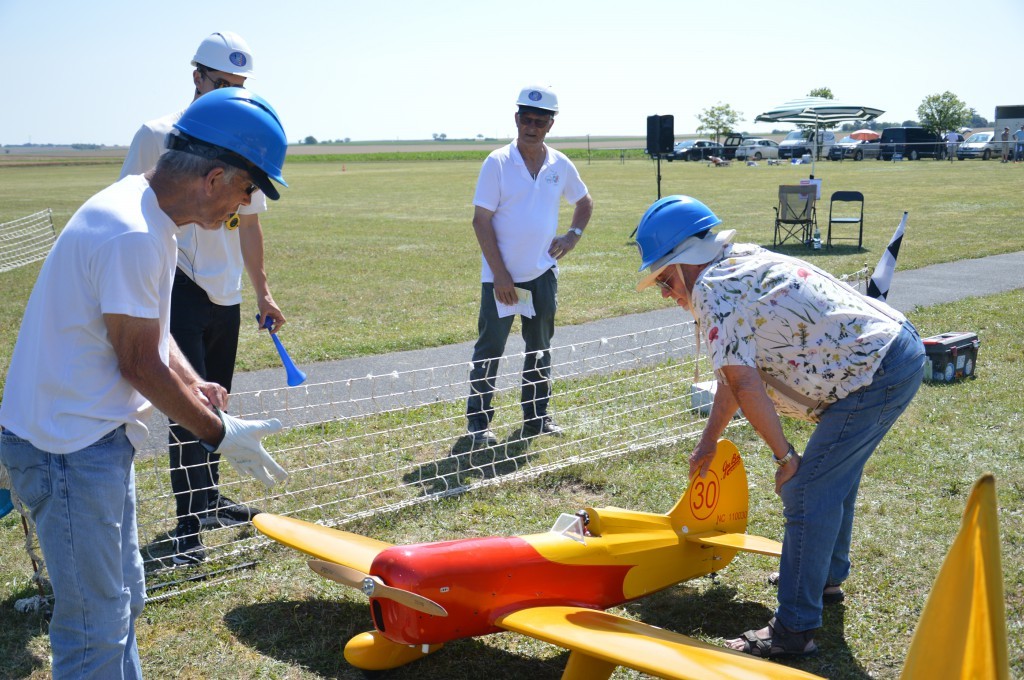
<point>225,52</point>
<point>538,97</point>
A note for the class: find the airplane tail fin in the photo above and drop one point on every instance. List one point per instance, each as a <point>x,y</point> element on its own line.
<point>965,616</point>
<point>718,501</point>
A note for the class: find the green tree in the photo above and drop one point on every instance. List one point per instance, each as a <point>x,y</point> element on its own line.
<point>718,120</point>
<point>942,112</point>
<point>309,140</point>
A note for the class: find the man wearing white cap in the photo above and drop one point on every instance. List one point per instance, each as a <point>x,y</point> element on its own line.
<point>517,198</point>
<point>205,305</point>
<point>787,338</point>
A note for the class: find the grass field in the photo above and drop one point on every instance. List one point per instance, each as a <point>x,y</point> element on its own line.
<point>366,258</point>
<point>371,257</point>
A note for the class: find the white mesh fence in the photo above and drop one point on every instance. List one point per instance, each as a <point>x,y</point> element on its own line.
<point>359,447</point>
<point>26,240</point>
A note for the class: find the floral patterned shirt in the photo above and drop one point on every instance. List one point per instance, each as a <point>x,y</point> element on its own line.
<point>793,322</point>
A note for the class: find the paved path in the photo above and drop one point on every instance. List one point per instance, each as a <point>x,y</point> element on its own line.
<point>923,287</point>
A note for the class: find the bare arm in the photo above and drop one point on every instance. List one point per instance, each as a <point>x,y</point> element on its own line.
<point>250,237</point>
<point>175,389</point>
<point>504,287</point>
<point>744,390</point>
<point>561,245</point>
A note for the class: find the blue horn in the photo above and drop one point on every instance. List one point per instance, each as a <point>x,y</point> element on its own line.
<point>295,376</point>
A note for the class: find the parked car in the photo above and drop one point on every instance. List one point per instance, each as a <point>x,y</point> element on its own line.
<point>857,149</point>
<point>733,142</point>
<point>912,143</point>
<point>756,148</point>
<point>980,145</point>
<point>696,150</point>
<point>800,142</point>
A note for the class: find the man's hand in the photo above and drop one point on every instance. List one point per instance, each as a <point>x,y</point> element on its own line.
<point>211,394</point>
<point>561,245</point>
<point>505,288</point>
<point>243,448</point>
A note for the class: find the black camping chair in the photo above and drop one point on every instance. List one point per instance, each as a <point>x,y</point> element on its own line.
<point>845,217</point>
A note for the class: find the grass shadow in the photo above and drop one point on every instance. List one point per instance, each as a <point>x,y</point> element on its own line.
<point>466,462</point>
<point>313,633</point>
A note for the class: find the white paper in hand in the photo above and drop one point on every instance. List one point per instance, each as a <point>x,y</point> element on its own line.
<point>524,307</point>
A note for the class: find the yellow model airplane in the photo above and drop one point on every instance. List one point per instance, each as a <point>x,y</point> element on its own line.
<point>552,586</point>
<point>555,587</point>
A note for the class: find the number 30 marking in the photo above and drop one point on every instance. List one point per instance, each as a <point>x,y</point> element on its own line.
<point>704,495</point>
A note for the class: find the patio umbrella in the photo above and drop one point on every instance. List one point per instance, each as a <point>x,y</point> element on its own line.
<point>865,135</point>
<point>817,111</point>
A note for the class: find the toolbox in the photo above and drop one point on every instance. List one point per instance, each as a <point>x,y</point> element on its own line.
<point>951,356</point>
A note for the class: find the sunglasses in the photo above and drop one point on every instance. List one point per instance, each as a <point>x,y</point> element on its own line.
<point>218,83</point>
<point>663,285</point>
<point>539,123</point>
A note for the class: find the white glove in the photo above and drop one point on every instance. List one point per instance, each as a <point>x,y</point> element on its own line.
<point>244,450</point>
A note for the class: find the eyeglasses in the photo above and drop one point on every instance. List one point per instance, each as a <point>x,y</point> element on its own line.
<point>664,285</point>
<point>249,190</point>
<point>218,83</point>
<point>539,123</point>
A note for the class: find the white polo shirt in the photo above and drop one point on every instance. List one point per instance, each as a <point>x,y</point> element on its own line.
<point>525,209</point>
<point>115,256</point>
<point>211,258</point>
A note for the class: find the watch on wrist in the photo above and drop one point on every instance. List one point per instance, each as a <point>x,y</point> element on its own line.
<point>576,230</point>
<point>782,462</point>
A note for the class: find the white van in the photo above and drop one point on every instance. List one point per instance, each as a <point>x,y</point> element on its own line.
<point>800,142</point>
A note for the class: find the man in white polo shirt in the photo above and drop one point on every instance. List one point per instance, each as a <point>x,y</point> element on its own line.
<point>94,355</point>
<point>206,301</point>
<point>517,198</point>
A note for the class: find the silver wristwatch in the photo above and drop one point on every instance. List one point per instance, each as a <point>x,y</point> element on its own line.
<point>782,462</point>
<point>576,230</point>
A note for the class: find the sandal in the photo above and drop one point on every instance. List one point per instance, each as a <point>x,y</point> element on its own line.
<point>830,595</point>
<point>782,643</point>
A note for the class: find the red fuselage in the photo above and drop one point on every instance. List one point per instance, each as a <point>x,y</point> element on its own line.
<point>479,579</point>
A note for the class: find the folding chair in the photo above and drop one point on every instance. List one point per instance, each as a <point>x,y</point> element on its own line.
<point>845,217</point>
<point>796,215</point>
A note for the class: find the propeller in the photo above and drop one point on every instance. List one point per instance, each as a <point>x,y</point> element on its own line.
<point>372,586</point>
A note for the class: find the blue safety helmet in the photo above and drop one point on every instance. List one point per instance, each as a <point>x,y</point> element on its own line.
<point>238,127</point>
<point>669,222</point>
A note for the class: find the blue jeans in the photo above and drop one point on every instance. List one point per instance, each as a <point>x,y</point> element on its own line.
<point>818,502</point>
<point>490,346</point>
<point>83,504</point>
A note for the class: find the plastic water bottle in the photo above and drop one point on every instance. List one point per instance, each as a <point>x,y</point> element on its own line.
<point>817,238</point>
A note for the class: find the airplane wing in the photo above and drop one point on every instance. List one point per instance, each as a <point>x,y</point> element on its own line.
<point>332,545</point>
<point>745,542</point>
<point>599,642</point>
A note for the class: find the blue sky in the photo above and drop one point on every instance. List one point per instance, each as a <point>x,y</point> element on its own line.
<point>401,69</point>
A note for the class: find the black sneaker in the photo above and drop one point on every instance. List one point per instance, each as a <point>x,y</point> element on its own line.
<point>188,549</point>
<point>484,437</point>
<point>536,428</point>
<point>225,512</point>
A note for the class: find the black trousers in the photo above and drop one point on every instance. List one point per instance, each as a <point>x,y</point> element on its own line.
<point>207,335</point>
<point>490,346</point>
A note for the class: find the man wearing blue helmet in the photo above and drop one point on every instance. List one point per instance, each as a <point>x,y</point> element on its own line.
<point>515,219</point>
<point>93,356</point>
<point>787,338</point>
<point>206,300</point>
